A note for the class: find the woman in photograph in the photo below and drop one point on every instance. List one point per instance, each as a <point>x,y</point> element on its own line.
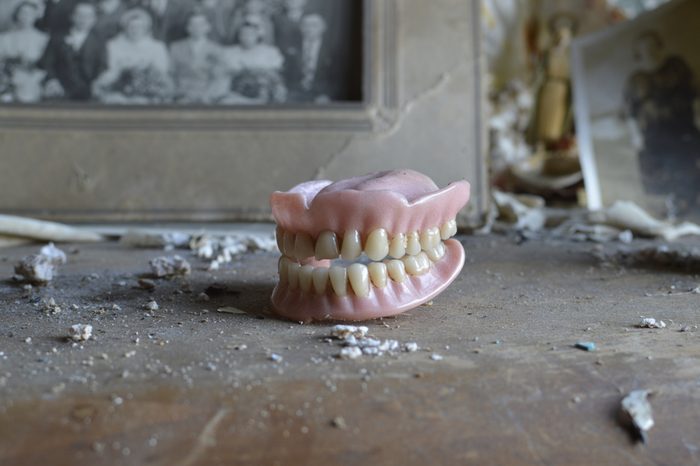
<point>660,106</point>
<point>255,67</point>
<point>137,64</point>
<point>20,50</point>
<point>197,65</point>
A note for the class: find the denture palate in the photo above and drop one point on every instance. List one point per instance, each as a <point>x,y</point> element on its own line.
<point>385,258</point>
<point>365,247</point>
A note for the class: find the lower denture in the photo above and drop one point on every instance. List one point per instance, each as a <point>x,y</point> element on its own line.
<point>355,263</point>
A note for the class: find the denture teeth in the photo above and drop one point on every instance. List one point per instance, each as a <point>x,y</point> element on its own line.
<point>303,246</point>
<point>423,263</point>
<point>352,245</point>
<point>288,246</point>
<point>358,276</point>
<point>429,238</point>
<point>339,280</point>
<point>293,275</point>
<point>448,229</point>
<point>279,237</point>
<point>397,270</point>
<point>397,247</point>
<point>327,245</point>
<point>320,279</point>
<point>305,273</point>
<point>437,252</point>
<point>412,243</point>
<point>377,244</point>
<point>416,265</point>
<point>377,274</point>
<point>282,267</point>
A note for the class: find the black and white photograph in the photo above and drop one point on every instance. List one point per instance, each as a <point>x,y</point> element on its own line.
<point>638,111</point>
<point>181,52</point>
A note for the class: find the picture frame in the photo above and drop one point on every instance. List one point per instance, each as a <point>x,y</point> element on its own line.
<point>635,100</point>
<point>422,108</point>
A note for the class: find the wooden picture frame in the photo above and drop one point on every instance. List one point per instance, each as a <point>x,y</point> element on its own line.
<point>422,109</point>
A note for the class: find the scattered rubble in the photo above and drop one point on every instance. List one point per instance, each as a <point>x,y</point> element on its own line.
<point>650,322</point>
<point>637,408</point>
<point>166,267</point>
<point>436,357</point>
<point>662,256</point>
<point>220,249</point>
<point>629,216</point>
<point>356,342</point>
<point>585,345</point>
<point>80,332</point>
<point>151,305</point>
<point>274,357</point>
<point>155,239</point>
<point>40,269</point>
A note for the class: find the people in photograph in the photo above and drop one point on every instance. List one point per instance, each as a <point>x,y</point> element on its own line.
<point>259,9</point>
<point>309,77</point>
<point>57,16</point>
<point>73,60</point>
<point>109,14</point>
<point>169,17</point>
<point>254,66</point>
<point>20,50</point>
<point>197,65</point>
<point>221,15</point>
<point>7,8</point>
<point>287,25</point>
<point>660,104</point>
<point>137,64</point>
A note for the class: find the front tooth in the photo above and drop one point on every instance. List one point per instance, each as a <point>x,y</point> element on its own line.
<point>437,252</point>
<point>339,280</point>
<point>279,236</point>
<point>397,270</point>
<point>303,246</point>
<point>293,275</point>
<point>359,279</point>
<point>448,229</point>
<point>377,244</point>
<point>289,239</point>
<point>320,279</point>
<point>413,243</point>
<point>377,273</point>
<point>429,238</point>
<point>397,247</point>
<point>305,277</point>
<point>327,245</point>
<point>352,245</point>
<point>282,267</point>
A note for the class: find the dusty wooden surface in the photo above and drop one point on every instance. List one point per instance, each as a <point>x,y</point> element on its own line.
<point>510,388</point>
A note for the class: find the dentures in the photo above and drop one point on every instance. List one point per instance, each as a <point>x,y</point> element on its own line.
<point>365,247</point>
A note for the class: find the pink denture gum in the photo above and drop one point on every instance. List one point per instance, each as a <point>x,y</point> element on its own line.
<point>366,247</point>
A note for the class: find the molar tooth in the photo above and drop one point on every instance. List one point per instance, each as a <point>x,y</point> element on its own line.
<point>412,243</point>
<point>423,263</point>
<point>352,245</point>
<point>429,238</point>
<point>397,270</point>
<point>377,273</point>
<point>358,276</point>
<point>293,275</point>
<point>377,245</point>
<point>339,280</point>
<point>320,279</point>
<point>327,245</point>
<point>279,236</point>
<point>288,246</point>
<point>303,246</point>
<point>397,247</point>
<point>436,253</point>
<point>417,265</point>
<point>282,268</point>
<point>448,229</point>
<point>305,277</point>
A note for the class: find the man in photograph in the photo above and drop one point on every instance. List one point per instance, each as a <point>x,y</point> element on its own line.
<point>75,58</point>
<point>169,17</point>
<point>310,76</point>
<point>287,25</point>
<point>57,16</point>
<point>109,15</point>
<point>661,101</point>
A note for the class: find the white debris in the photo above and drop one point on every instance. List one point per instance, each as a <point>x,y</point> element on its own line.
<point>41,268</point>
<point>523,212</point>
<point>638,408</point>
<point>80,332</point>
<point>230,310</point>
<point>350,352</point>
<point>342,332</point>
<point>436,357</point>
<point>154,239</point>
<point>220,249</point>
<point>169,266</point>
<point>274,357</point>
<point>410,347</point>
<point>650,322</point>
<point>151,305</point>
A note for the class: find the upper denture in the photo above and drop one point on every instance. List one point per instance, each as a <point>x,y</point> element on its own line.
<point>399,201</point>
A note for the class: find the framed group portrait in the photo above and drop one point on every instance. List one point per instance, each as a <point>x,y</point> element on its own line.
<point>196,110</point>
